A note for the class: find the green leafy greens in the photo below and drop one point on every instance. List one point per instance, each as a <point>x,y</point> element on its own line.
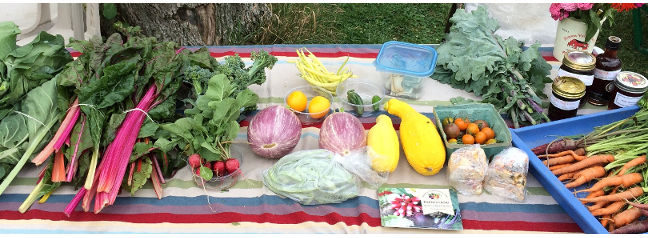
<point>473,58</point>
<point>220,95</point>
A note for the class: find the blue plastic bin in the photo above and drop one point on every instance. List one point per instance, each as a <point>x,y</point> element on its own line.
<point>532,136</point>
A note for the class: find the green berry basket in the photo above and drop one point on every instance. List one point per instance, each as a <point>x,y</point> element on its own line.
<point>475,111</point>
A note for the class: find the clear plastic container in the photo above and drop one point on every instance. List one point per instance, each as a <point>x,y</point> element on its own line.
<point>366,91</point>
<point>404,66</point>
<point>310,92</point>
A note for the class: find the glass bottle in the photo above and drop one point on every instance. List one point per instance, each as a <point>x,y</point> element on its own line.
<point>608,65</point>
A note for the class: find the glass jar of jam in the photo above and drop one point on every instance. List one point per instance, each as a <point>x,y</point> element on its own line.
<point>580,65</point>
<point>608,65</point>
<point>565,98</point>
<point>627,89</point>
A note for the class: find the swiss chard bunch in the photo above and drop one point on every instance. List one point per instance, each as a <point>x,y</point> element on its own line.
<point>498,70</point>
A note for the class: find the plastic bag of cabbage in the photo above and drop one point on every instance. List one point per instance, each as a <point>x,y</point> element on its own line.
<point>313,177</point>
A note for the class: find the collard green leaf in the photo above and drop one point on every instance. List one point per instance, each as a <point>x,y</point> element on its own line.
<point>29,66</point>
<point>40,107</point>
<point>8,33</point>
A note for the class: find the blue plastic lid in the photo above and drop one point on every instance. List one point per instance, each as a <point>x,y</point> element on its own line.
<point>406,58</point>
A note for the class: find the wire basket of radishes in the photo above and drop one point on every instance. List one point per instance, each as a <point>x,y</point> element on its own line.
<point>218,175</point>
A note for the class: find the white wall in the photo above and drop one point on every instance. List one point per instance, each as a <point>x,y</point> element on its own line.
<point>529,22</point>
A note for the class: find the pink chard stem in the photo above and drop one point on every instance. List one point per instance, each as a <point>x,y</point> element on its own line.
<point>72,166</point>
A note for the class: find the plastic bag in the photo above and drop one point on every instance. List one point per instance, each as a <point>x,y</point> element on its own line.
<point>313,177</point>
<point>506,176</point>
<point>467,168</point>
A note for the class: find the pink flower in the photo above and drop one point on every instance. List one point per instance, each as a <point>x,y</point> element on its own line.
<point>585,6</point>
<point>569,7</point>
<point>555,10</point>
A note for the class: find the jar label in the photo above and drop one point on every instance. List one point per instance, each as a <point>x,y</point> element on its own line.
<point>564,105</point>
<point>587,79</point>
<point>625,101</point>
<point>606,75</point>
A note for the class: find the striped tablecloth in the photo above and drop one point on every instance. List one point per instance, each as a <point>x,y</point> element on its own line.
<point>249,207</point>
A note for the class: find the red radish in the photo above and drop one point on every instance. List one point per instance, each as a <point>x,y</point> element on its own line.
<point>232,165</point>
<point>274,132</point>
<point>219,168</point>
<point>207,164</point>
<point>197,171</point>
<point>342,133</point>
<point>194,160</point>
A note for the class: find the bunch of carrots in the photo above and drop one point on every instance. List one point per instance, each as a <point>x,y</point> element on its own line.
<point>609,196</point>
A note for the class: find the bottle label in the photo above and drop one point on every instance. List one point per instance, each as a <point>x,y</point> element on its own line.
<point>606,75</point>
<point>588,80</point>
<point>625,101</point>
<point>564,105</point>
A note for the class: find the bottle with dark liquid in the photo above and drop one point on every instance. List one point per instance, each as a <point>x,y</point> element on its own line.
<point>608,65</point>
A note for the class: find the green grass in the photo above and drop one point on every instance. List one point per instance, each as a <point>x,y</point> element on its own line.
<point>417,23</point>
<point>633,60</point>
<point>355,23</point>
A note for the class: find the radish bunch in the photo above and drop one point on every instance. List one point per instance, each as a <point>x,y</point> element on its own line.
<point>212,169</point>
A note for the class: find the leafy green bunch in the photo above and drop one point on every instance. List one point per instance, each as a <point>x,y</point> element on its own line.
<point>498,70</point>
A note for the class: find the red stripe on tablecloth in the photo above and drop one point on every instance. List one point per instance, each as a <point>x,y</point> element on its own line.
<point>291,218</point>
<point>550,58</point>
<point>225,217</point>
<point>521,226</point>
<point>293,54</point>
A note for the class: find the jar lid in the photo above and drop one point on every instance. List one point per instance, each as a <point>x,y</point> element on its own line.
<point>579,60</point>
<point>631,82</point>
<point>613,42</point>
<point>569,87</point>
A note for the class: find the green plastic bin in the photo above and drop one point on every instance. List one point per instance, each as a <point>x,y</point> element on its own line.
<point>475,111</point>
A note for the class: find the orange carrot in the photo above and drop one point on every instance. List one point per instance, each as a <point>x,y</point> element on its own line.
<point>554,167</point>
<point>559,160</point>
<point>566,176</point>
<point>604,220</point>
<point>58,168</point>
<point>627,194</point>
<point>637,161</point>
<point>597,206</point>
<point>586,176</point>
<point>595,194</point>
<point>627,216</point>
<point>610,209</point>
<point>592,160</point>
<point>625,181</point>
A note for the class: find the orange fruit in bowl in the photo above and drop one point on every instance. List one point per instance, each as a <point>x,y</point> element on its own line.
<point>472,129</point>
<point>297,101</point>
<point>468,139</point>
<point>488,132</point>
<point>480,138</point>
<point>319,106</point>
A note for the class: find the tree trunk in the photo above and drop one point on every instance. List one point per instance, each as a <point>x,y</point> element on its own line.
<point>194,23</point>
